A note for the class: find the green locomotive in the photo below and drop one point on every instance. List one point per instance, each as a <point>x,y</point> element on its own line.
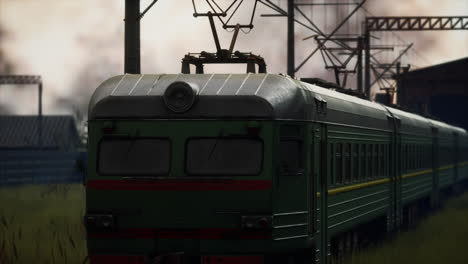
<point>252,168</point>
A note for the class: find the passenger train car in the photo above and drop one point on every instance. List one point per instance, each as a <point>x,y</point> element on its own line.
<point>252,168</point>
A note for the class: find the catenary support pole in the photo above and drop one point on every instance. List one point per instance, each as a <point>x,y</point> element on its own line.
<point>291,63</point>
<point>367,55</point>
<point>132,36</point>
<point>359,64</point>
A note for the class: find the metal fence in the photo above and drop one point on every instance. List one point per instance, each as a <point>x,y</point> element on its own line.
<point>41,167</point>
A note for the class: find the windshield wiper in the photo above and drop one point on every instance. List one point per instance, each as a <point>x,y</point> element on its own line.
<point>132,144</point>
<point>215,144</point>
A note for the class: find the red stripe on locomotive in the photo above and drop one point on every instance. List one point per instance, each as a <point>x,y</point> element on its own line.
<point>180,185</point>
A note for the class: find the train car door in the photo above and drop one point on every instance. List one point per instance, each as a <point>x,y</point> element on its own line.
<point>291,205</point>
<point>318,196</point>
<point>394,217</point>
<point>312,194</point>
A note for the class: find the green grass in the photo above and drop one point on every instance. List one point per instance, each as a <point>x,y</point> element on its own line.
<point>439,239</point>
<point>42,224</point>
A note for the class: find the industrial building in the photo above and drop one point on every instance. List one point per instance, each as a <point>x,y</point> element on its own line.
<point>39,149</point>
<point>440,91</point>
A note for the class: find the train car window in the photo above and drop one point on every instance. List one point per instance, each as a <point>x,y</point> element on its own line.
<point>445,158</point>
<point>418,156</point>
<point>441,156</point>
<point>409,158</point>
<point>424,156</point>
<point>386,160</point>
<point>409,162</point>
<point>428,156</point>
<point>421,156</point>
<point>416,149</point>
<point>291,155</point>
<point>332,163</point>
<point>363,162</point>
<point>133,157</point>
<point>415,156</point>
<point>339,163</point>
<point>448,156</point>
<point>381,160</point>
<point>370,160</point>
<point>355,162</point>
<point>383,157</point>
<point>376,160</point>
<point>227,156</point>
<point>347,162</point>
<point>404,158</point>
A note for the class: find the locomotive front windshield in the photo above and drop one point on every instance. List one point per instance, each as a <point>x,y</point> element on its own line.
<point>142,156</point>
<point>224,156</point>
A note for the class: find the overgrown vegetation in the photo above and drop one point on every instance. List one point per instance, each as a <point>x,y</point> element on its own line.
<point>440,238</point>
<point>42,224</point>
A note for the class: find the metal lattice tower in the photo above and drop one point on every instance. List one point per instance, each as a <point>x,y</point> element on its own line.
<point>25,80</point>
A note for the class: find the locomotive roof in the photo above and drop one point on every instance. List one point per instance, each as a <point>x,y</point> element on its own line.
<point>262,96</point>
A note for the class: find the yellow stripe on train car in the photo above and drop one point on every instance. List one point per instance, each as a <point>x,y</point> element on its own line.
<point>376,182</point>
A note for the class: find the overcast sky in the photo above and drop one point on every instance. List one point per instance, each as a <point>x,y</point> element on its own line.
<point>75,45</point>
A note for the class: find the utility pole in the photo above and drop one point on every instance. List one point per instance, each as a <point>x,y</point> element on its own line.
<point>359,65</point>
<point>132,36</point>
<point>291,62</point>
<point>367,55</point>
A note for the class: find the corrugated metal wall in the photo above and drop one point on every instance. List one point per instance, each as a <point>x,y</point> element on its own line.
<point>39,167</point>
<point>42,150</point>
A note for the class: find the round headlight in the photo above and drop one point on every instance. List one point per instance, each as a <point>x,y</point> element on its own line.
<point>180,96</point>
